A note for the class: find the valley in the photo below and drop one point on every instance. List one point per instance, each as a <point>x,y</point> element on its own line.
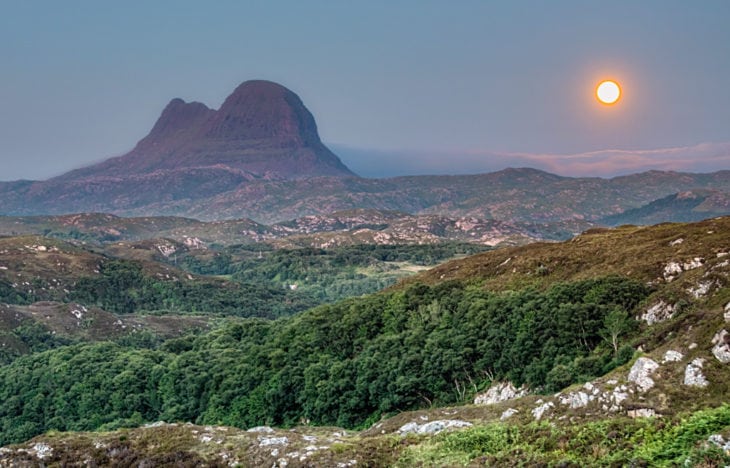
<point>585,344</point>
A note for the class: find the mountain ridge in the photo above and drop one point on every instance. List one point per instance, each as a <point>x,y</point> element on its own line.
<point>215,193</point>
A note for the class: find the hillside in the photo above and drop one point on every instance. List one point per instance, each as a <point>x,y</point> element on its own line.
<point>692,205</point>
<point>336,229</point>
<point>618,336</point>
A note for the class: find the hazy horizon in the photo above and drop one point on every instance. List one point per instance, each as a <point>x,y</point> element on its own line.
<point>478,84</point>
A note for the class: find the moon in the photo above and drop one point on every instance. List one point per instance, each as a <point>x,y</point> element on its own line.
<point>608,92</point>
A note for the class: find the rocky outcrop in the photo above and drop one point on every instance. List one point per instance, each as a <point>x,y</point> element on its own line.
<point>672,356</point>
<point>658,312</point>
<point>433,427</point>
<point>508,413</point>
<point>542,409</point>
<point>641,371</point>
<point>693,375</point>
<point>673,269</point>
<point>721,350</point>
<point>501,391</point>
<point>642,413</point>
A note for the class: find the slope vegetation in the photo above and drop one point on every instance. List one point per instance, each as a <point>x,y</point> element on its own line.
<point>572,318</point>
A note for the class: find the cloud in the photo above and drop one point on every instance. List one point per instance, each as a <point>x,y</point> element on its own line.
<point>704,157</point>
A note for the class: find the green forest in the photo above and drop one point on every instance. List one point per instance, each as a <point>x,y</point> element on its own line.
<point>347,363</point>
<point>326,275</point>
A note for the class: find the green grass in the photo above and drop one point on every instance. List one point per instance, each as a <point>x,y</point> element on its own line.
<point>610,442</point>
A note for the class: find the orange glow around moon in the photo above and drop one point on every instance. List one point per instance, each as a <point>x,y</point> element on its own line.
<point>608,92</point>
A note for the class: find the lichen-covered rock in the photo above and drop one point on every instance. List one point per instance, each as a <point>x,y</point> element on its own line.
<point>694,263</point>
<point>433,427</point>
<point>693,376</point>
<point>672,356</point>
<point>701,289</point>
<point>499,392</point>
<point>42,450</point>
<point>659,312</point>
<point>727,312</point>
<point>264,429</point>
<point>508,413</point>
<point>719,441</point>
<point>642,413</point>
<point>721,350</point>
<point>265,441</point>
<point>576,399</point>
<point>641,371</point>
<point>543,408</point>
<point>671,271</point>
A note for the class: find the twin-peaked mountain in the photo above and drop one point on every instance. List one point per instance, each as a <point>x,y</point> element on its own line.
<point>262,129</point>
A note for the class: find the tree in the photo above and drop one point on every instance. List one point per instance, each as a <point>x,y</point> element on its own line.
<point>616,323</point>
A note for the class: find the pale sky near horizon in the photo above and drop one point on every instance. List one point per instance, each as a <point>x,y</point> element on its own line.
<point>429,86</point>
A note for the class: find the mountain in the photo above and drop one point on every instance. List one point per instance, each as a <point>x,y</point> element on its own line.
<point>261,130</point>
<point>692,205</point>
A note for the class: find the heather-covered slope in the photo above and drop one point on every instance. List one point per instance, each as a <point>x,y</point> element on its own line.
<point>629,326</point>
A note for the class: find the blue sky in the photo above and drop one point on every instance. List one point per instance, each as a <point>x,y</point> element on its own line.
<point>430,86</point>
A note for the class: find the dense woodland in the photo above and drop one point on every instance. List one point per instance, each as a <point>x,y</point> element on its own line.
<point>347,363</point>
<point>325,274</point>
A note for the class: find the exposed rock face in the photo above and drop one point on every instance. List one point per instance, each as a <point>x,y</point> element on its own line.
<point>659,312</point>
<point>432,427</point>
<point>674,269</point>
<point>672,356</point>
<point>542,409</point>
<point>609,400</point>
<point>642,413</point>
<point>262,129</point>
<point>721,350</point>
<point>501,391</point>
<point>701,289</point>
<point>671,270</point>
<point>641,371</point>
<point>508,413</point>
<point>575,399</point>
<point>693,376</point>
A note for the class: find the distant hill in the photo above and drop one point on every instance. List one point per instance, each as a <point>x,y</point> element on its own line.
<point>692,205</point>
<point>217,193</point>
<point>379,227</point>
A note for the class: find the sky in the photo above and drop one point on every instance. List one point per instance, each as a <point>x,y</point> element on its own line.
<point>396,87</point>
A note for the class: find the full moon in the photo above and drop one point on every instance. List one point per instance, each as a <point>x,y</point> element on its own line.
<point>608,92</point>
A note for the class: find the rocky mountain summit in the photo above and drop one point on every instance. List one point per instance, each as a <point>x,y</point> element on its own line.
<point>262,130</point>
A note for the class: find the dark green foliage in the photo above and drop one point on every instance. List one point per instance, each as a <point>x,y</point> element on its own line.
<point>341,364</point>
<point>123,287</point>
<point>30,337</point>
<point>328,275</point>
<point>11,295</point>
